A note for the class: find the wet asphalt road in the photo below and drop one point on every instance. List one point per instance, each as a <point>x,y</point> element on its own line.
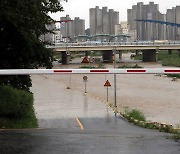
<point>119,137</point>
<point>80,124</point>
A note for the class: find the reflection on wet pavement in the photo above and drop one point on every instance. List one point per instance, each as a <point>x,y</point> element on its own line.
<point>57,107</point>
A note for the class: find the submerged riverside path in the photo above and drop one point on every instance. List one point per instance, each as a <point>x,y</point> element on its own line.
<point>156,96</point>
<point>71,122</point>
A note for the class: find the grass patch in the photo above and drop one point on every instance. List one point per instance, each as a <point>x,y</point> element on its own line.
<point>169,59</point>
<point>137,117</point>
<point>136,114</point>
<point>163,54</point>
<point>100,65</point>
<point>16,108</point>
<point>56,56</point>
<point>87,67</point>
<point>130,66</point>
<point>174,75</point>
<point>19,123</point>
<point>177,135</point>
<point>96,53</point>
<point>138,57</point>
<point>171,62</point>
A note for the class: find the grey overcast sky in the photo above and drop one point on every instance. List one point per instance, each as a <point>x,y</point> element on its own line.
<point>80,8</point>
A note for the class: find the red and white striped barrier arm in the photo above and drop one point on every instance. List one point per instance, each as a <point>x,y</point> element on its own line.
<point>90,71</point>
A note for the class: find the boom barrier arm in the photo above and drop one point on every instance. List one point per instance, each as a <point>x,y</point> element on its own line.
<point>89,71</point>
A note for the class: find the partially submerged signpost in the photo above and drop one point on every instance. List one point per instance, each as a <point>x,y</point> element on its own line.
<point>107,84</point>
<point>85,79</point>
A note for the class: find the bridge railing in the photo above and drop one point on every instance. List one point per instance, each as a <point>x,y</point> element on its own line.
<point>149,43</point>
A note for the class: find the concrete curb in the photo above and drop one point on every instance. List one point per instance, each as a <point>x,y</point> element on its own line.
<point>162,127</point>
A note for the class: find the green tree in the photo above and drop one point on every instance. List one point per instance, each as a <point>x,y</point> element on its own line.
<point>22,22</point>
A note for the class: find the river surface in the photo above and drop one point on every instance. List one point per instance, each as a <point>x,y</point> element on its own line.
<point>156,96</point>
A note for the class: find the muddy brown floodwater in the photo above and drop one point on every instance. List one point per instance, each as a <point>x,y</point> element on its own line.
<point>157,97</point>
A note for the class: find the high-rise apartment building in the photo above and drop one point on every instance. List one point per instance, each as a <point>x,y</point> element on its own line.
<point>145,30</point>
<point>66,27</point>
<point>178,22</point>
<point>173,16</point>
<point>71,28</point>
<point>103,21</point>
<point>170,17</point>
<point>152,30</point>
<point>78,26</point>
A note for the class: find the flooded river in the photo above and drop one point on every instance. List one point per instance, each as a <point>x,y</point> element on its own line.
<point>157,97</point>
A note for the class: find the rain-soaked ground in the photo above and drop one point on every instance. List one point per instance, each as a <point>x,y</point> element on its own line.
<point>59,107</point>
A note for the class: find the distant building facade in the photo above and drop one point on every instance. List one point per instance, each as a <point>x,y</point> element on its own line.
<point>49,37</point>
<point>149,30</point>
<point>57,35</point>
<point>122,31</point>
<point>103,21</point>
<point>124,27</point>
<point>71,28</point>
<point>145,30</point>
<point>68,30</point>
<point>173,15</point>
<point>118,30</point>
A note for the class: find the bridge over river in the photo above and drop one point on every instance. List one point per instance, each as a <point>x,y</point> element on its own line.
<point>149,49</point>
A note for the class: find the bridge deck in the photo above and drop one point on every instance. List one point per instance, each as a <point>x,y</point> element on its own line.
<point>117,46</point>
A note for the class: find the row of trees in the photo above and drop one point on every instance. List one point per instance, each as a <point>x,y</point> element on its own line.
<point>22,22</point>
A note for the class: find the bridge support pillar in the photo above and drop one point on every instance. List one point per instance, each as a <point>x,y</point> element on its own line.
<point>169,52</point>
<point>86,53</point>
<point>150,56</point>
<point>120,55</point>
<point>65,58</point>
<point>108,56</point>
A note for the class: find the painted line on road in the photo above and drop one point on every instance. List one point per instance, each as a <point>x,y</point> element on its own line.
<point>80,124</point>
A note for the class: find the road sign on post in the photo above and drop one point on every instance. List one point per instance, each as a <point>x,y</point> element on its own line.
<point>85,79</point>
<point>107,84</point>
<point>85,60</point>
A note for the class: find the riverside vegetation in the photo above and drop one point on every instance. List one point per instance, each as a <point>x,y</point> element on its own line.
<point>22,23</point>
<point>16,108</point>
<point>138,118</point>
<point>168,59</point>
